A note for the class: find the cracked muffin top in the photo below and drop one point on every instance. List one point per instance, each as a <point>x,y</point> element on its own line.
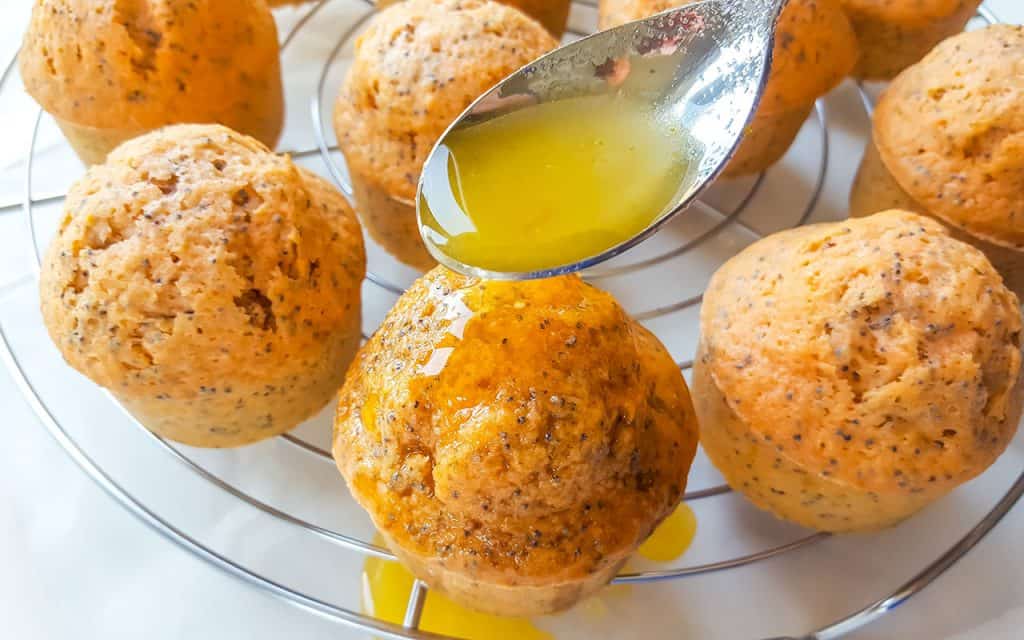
<point>878,351</point>
<point>141,64</point>
<point>193,257</point>
<point>419,64</point>
<point>815,47</point>
<point>950,129</point>
<point>529,432</point>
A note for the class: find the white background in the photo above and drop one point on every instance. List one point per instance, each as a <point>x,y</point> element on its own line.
<point>75,564</point>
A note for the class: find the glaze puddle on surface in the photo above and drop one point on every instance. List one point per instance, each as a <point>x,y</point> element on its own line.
<point>672,537</point>
<point>386,585</point>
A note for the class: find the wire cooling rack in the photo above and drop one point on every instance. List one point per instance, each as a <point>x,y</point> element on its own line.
<point>717,226</point>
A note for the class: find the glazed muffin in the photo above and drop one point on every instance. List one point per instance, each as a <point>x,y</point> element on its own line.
<point>894,34</point>
<point>416,68</point>
<point>212,286</point>
<point>553,14</point>
<point>514,442</point>
<point>109,71</point>
<point>948,141</point>
<point>815,48</point>
<point>850,373</point>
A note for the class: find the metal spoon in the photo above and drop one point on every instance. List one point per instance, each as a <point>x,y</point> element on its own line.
<point>704,67</point>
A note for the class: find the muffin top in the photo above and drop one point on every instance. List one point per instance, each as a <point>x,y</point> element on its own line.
<point>950,129</point>
<point>140,64</point>
<point>416,68</point>
<point>907,12</point>
<point>514,427</point>
<point>553,14</point>
<point>815,47</point>
<point>195,257</point>
<point>879,351</point>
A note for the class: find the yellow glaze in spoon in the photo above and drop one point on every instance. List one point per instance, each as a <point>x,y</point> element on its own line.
<point>552,185</point>
<point>585,152</point>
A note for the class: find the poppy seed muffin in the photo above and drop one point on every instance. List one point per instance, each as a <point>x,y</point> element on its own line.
<point>815,48</point>
<point>948,141</point>
<point>212,286</point>
<point>894,34</point>
<point>109,71</point>
<point>419,64</point>
<point>850,373</point>
<point>553,14</point>
<point>514,442</point>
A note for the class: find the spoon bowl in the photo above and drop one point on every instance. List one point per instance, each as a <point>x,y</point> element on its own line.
<point>701,69</point>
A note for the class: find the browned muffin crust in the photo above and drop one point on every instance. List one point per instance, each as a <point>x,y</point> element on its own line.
<point>110,70</point>
<point>850,373</point>
<point>212,286</point>
<point>514,440</point>
<point>950,129</point>
<point>894,34</point>
<point>815,48</point>
<point>553,14</point>
<point>418,65</point>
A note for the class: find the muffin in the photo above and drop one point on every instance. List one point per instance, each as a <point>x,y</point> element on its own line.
<point>212,286</point>
<point>894,34</point>
<point>948,141</point>
<point>110,71</point>
<point>416,68</point>
<point>553,14</point>
<point>514,442</point>
<point>850,373</point>
<point>815,48</point>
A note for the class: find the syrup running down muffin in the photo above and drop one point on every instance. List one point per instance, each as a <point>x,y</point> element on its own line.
<point>514,442</point>
<point>815,48</point>
<point>416,68</point>
<point>109,71</point>
<point>948,141</point>
<point>212,286</point>
<point>851,373</point>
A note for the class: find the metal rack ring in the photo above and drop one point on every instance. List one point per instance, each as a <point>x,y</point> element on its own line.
<point>409,629</point>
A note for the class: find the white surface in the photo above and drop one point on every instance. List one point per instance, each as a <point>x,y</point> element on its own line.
<point>76,564</point>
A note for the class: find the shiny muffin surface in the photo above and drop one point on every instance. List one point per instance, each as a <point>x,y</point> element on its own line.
<point>874,360</point>
<point>516,433</point>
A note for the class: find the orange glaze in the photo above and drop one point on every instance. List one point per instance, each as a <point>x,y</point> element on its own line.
<point>387,584</point>
<point>514,442</point>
